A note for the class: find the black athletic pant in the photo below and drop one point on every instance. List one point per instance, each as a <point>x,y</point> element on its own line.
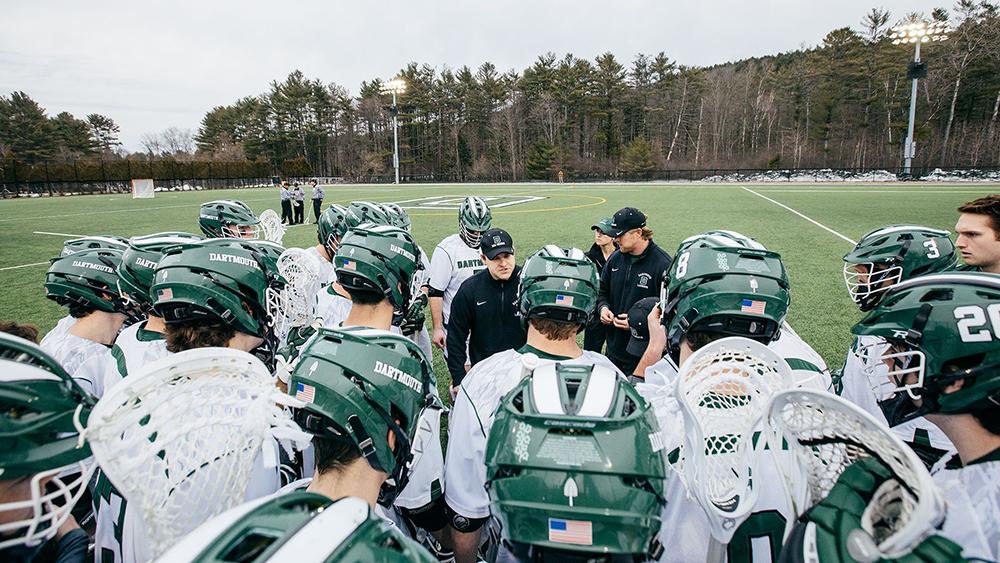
<point>300,207</point>
<point>317,203</point>
<point>594,336</point>
<point>286,212</point>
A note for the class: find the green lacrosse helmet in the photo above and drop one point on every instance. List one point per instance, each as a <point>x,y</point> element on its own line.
<point>41,407</point>
<point>397,216</point>
<point>558,284</point>
<point>730,291</point>
<point>97,241</point>
<point>228,218</point>
<point>298,526</point>
<point>893,254</point>
<point>331,227</point>
<point>88,278</point>
<point>360,212</point>
<point>573,464</point>
<point>719,238</point>
<point>268,251</point>
<point>380,259</point>
<point>359,385</point>
<point>213,280</point>
<point>135,273</point>
<point>939,329</point>
<point>474,218</point>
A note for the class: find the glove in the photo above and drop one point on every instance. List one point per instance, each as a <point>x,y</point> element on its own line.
<point>836,523</point>
<point>288,354</point>
<point>413,319</point>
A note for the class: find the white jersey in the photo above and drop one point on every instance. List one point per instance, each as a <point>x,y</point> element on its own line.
<point>797,352</point>
<point>136,347</point>
<point>973,497</point>
<point>327,274</point>
<point>58,331</point>
<point>685,529</point>
<point>863,370</point>
<point>331,307</point>
<point>471,418</point>
<point>453,263</point>
<point>427,470</point>
<point>73,353</point>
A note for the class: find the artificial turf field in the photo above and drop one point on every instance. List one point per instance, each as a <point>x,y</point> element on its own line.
<point>32,230</point>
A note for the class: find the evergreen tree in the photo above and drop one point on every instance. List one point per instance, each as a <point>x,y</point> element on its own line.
<point>104,132</point>
<point>24,129</point>
<point>637,157</point>
<point>541,157</point>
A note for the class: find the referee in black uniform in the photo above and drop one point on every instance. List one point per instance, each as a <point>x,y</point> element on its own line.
<point>485,308</point>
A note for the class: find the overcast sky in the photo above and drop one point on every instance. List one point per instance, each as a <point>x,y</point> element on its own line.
<point>150,65</point>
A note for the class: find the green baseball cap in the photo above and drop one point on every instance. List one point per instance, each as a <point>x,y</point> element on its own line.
<point>604,225</point>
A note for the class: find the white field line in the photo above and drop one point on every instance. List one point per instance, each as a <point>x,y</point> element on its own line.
<point>813,221</point>
<point>863,192</point>
<point>23,266</point>
<point>58,234</point>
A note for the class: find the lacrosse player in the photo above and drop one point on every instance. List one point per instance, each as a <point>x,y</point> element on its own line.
<point>455,259</point>
<point>228,218</point>
<point>44,464</point>
<point>565,494</point>
<point>412,322</point>
<point>212,293</point>
<point>943,359</point>
<point>713,294</point>
<point>142,342</point>
<point>557,293</point>
<point>76,245</point>
<point>330,229</point>
<point>883,258</point>
<point>86,282</point>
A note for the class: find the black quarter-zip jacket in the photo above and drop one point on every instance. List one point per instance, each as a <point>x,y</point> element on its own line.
<point>625,280</point>
<point>484,311</point>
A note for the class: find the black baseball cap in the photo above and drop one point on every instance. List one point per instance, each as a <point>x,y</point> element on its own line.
<point>496,241</point>
<point>626,219</point>
<point>637,325</point>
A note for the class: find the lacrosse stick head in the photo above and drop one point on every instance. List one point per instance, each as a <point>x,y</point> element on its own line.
<point>574,463</point>
<point>723,390</point>
<point>271,226</point>
<point>180,439</point>
<point>228,218</point>
<point>301,272</point>
<point>827,434</point>
<point>44,465</point>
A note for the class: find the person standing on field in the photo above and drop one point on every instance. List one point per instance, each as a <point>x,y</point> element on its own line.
<point>317,199</point>
<point>286,204</point>
<point>299,204</point>
<point>600,251</point>
<point>632,272</point>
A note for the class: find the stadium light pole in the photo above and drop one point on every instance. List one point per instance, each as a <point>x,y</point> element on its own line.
<point>395,86</point>
<point>916,32</point>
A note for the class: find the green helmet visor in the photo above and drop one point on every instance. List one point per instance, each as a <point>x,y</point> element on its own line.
<point>228,219</point>
<point>138,265</point>
<point>89,278</point>
<point>574,463</point>
<point>379,259</point>
<point>558,284</point>
<point>331,227</point>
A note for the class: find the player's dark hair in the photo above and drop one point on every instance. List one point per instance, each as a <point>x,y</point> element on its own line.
<point>79,310</point>
<point>365,297</point>
<point>555,330</point>
<point>698,339</point>
<point>989,418</point>
<point>189,335</point>
<point>25,331</point>
<point>334,455</point>
<point>987,205</point>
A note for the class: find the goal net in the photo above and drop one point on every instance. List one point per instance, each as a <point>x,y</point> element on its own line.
<point>142,189</point>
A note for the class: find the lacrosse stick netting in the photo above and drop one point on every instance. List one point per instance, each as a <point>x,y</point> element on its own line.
<point>827,434</point>
<point>180,439</point>
<point>723,391</point>
<point>301,271</point>
<point>271,226</point>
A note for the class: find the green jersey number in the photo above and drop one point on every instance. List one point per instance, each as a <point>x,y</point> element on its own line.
<point>768,524</point>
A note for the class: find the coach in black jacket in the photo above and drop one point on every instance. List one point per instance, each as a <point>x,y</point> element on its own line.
<point>632,272</point>
<point>485,308</point>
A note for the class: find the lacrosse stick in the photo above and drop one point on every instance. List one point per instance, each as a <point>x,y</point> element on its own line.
<point>270,225</point>
<point>828,434</point>
<point>180,440</point>
<point>297,307</point>
<point>723,391</point>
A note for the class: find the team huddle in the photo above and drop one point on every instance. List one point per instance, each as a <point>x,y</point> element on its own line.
<point>219,397</point>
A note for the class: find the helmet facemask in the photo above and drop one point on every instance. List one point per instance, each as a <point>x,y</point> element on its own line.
<point>50,504</point>
<point>234,230</point>
<point>899,389</point>
<point>471,238</point>
<point>866,288</point>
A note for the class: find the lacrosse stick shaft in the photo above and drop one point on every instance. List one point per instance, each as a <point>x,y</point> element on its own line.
<point>716,551</point>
